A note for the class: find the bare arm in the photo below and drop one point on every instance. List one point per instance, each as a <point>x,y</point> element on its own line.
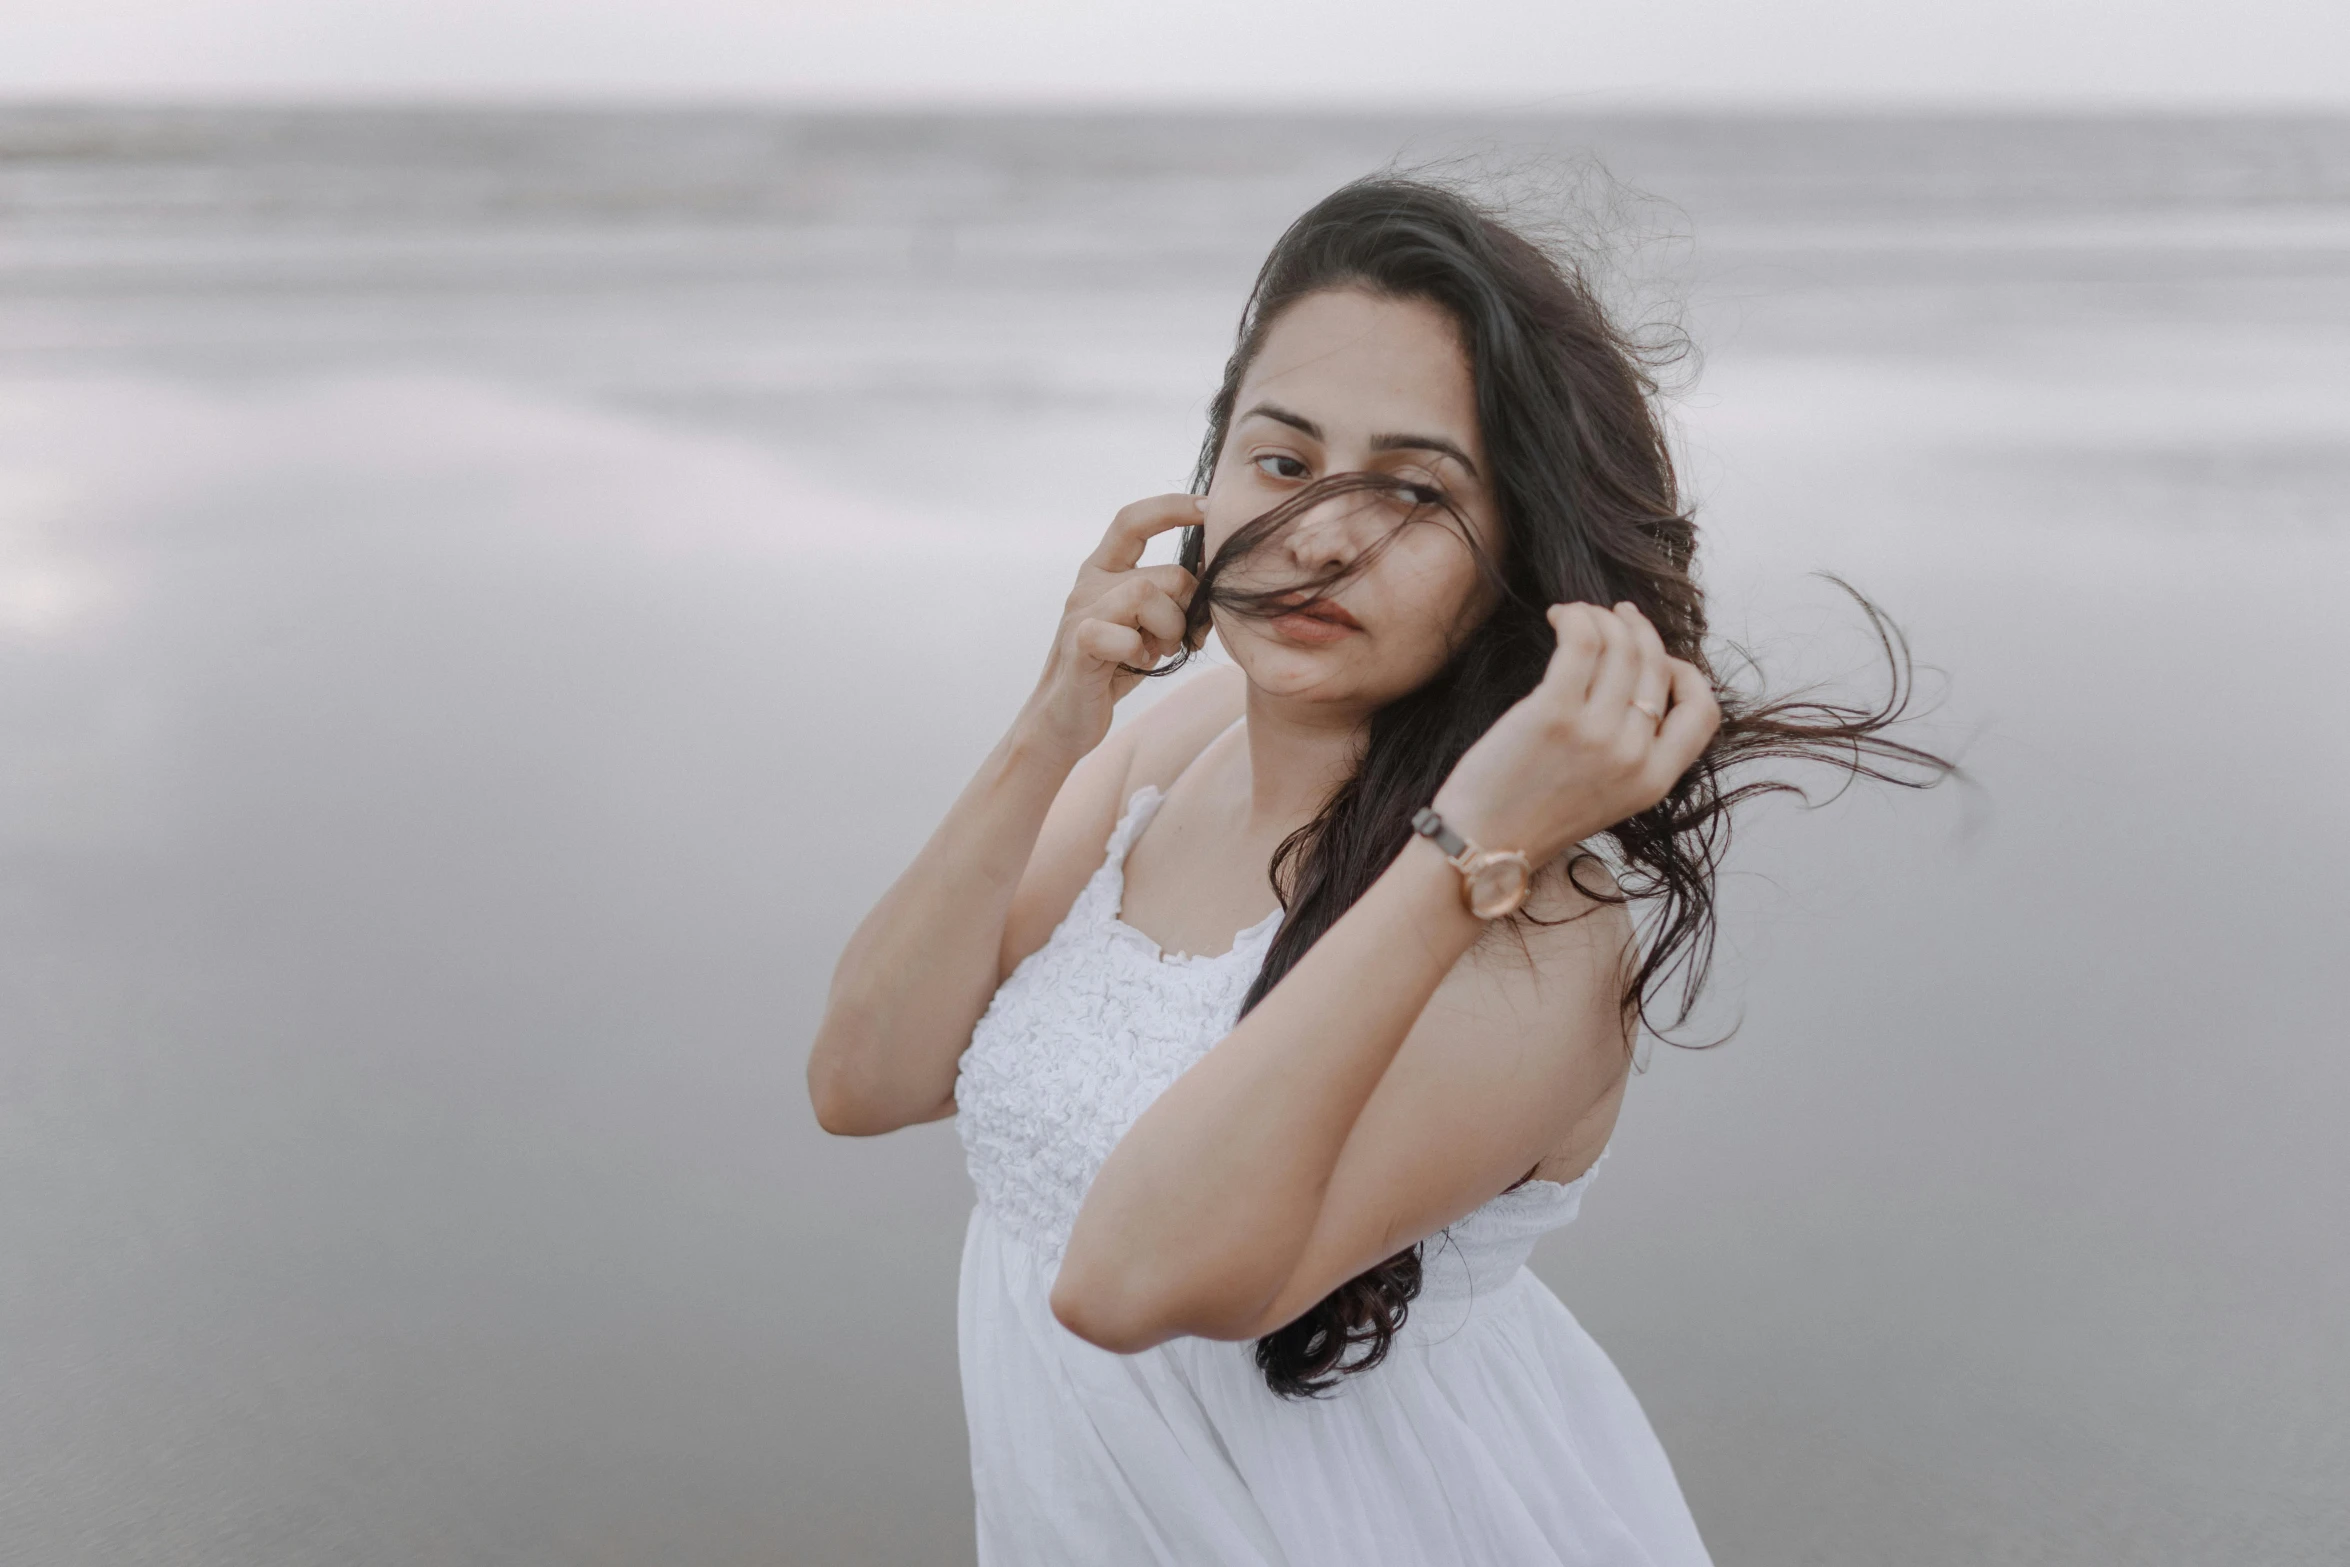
<point>915,977</point>
<point>1222,1211</point>
<point>921,967</point>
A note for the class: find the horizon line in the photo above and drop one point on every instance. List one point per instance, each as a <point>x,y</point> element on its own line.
<point>1561,105</point>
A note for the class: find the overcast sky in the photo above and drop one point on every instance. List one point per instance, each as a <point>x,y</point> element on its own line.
<point>1509,54</point>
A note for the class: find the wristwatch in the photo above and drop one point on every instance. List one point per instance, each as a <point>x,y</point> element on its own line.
<point>1494,882</point>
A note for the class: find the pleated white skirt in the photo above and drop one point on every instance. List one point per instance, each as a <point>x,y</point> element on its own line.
<point>1496,1434</point>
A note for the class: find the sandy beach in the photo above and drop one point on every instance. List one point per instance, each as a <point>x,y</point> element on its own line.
<point>488,599</point>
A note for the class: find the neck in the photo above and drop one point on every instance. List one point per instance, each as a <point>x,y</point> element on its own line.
<point>1298,752</point>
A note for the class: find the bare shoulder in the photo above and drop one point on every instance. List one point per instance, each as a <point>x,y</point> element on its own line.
<point>1570,951</point>
<point>1180,725</point>
<point>1522,1052</point>
<point>1151,748</point>
<point>1578,888</point>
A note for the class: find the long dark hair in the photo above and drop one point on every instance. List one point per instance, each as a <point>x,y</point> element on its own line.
<point>1589,511</point>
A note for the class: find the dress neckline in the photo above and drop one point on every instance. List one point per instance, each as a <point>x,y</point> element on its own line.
<point>1141,806</point>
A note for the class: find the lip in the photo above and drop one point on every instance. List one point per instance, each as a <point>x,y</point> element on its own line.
<point>1326,614</point>
<point>1312,630</point>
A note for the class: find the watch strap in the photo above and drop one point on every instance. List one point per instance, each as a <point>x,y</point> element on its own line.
<point>1431,826</point>
<point>1484,899</point>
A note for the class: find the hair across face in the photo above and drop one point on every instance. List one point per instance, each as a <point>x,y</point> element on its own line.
<point>1394,320</point>
<point>1389,578</point>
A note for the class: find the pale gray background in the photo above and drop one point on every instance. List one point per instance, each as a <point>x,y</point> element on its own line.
<point>487,597</point>
<point>1488,55</point>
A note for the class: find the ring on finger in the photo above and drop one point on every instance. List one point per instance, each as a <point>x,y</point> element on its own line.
<point>1653,715</point>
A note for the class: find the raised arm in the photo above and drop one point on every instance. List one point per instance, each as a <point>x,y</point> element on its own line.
<point>1346,1117</point>
<point>918,973</point>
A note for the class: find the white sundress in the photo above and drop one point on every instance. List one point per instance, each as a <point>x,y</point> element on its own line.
<point>1496,1431</point>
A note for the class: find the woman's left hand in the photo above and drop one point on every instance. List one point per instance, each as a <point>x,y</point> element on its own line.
<point>1612,726</point>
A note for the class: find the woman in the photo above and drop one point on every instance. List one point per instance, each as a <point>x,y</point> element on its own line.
<point>1283,1020</point>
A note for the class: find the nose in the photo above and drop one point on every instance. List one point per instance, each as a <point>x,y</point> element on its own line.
<point>1329,535</point>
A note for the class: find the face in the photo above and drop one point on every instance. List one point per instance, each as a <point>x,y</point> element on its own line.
<point>1348,381</point>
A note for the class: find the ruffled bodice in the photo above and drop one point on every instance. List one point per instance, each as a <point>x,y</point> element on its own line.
<point>1096,1023</point>
<point>1495,1434</point>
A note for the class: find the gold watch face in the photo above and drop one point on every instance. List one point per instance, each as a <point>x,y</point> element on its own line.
<point>1496,884</point>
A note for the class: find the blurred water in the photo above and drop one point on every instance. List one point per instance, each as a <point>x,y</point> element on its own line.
<point>487,598</point>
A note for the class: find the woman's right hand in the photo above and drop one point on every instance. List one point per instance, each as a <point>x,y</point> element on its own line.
<point>1120,612</point>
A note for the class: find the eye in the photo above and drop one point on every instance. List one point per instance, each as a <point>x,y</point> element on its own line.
<point>1280,465</point>
<point>1423,494</point>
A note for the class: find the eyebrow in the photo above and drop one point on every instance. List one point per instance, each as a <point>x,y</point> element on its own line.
<point>1379,443</point>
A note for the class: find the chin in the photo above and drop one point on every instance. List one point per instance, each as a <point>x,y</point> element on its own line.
<point>1310,674</point>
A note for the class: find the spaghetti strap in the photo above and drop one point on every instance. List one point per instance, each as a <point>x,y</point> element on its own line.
<point>1122,837</point>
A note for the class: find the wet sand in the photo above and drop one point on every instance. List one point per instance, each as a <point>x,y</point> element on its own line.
<point>485,603</point>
